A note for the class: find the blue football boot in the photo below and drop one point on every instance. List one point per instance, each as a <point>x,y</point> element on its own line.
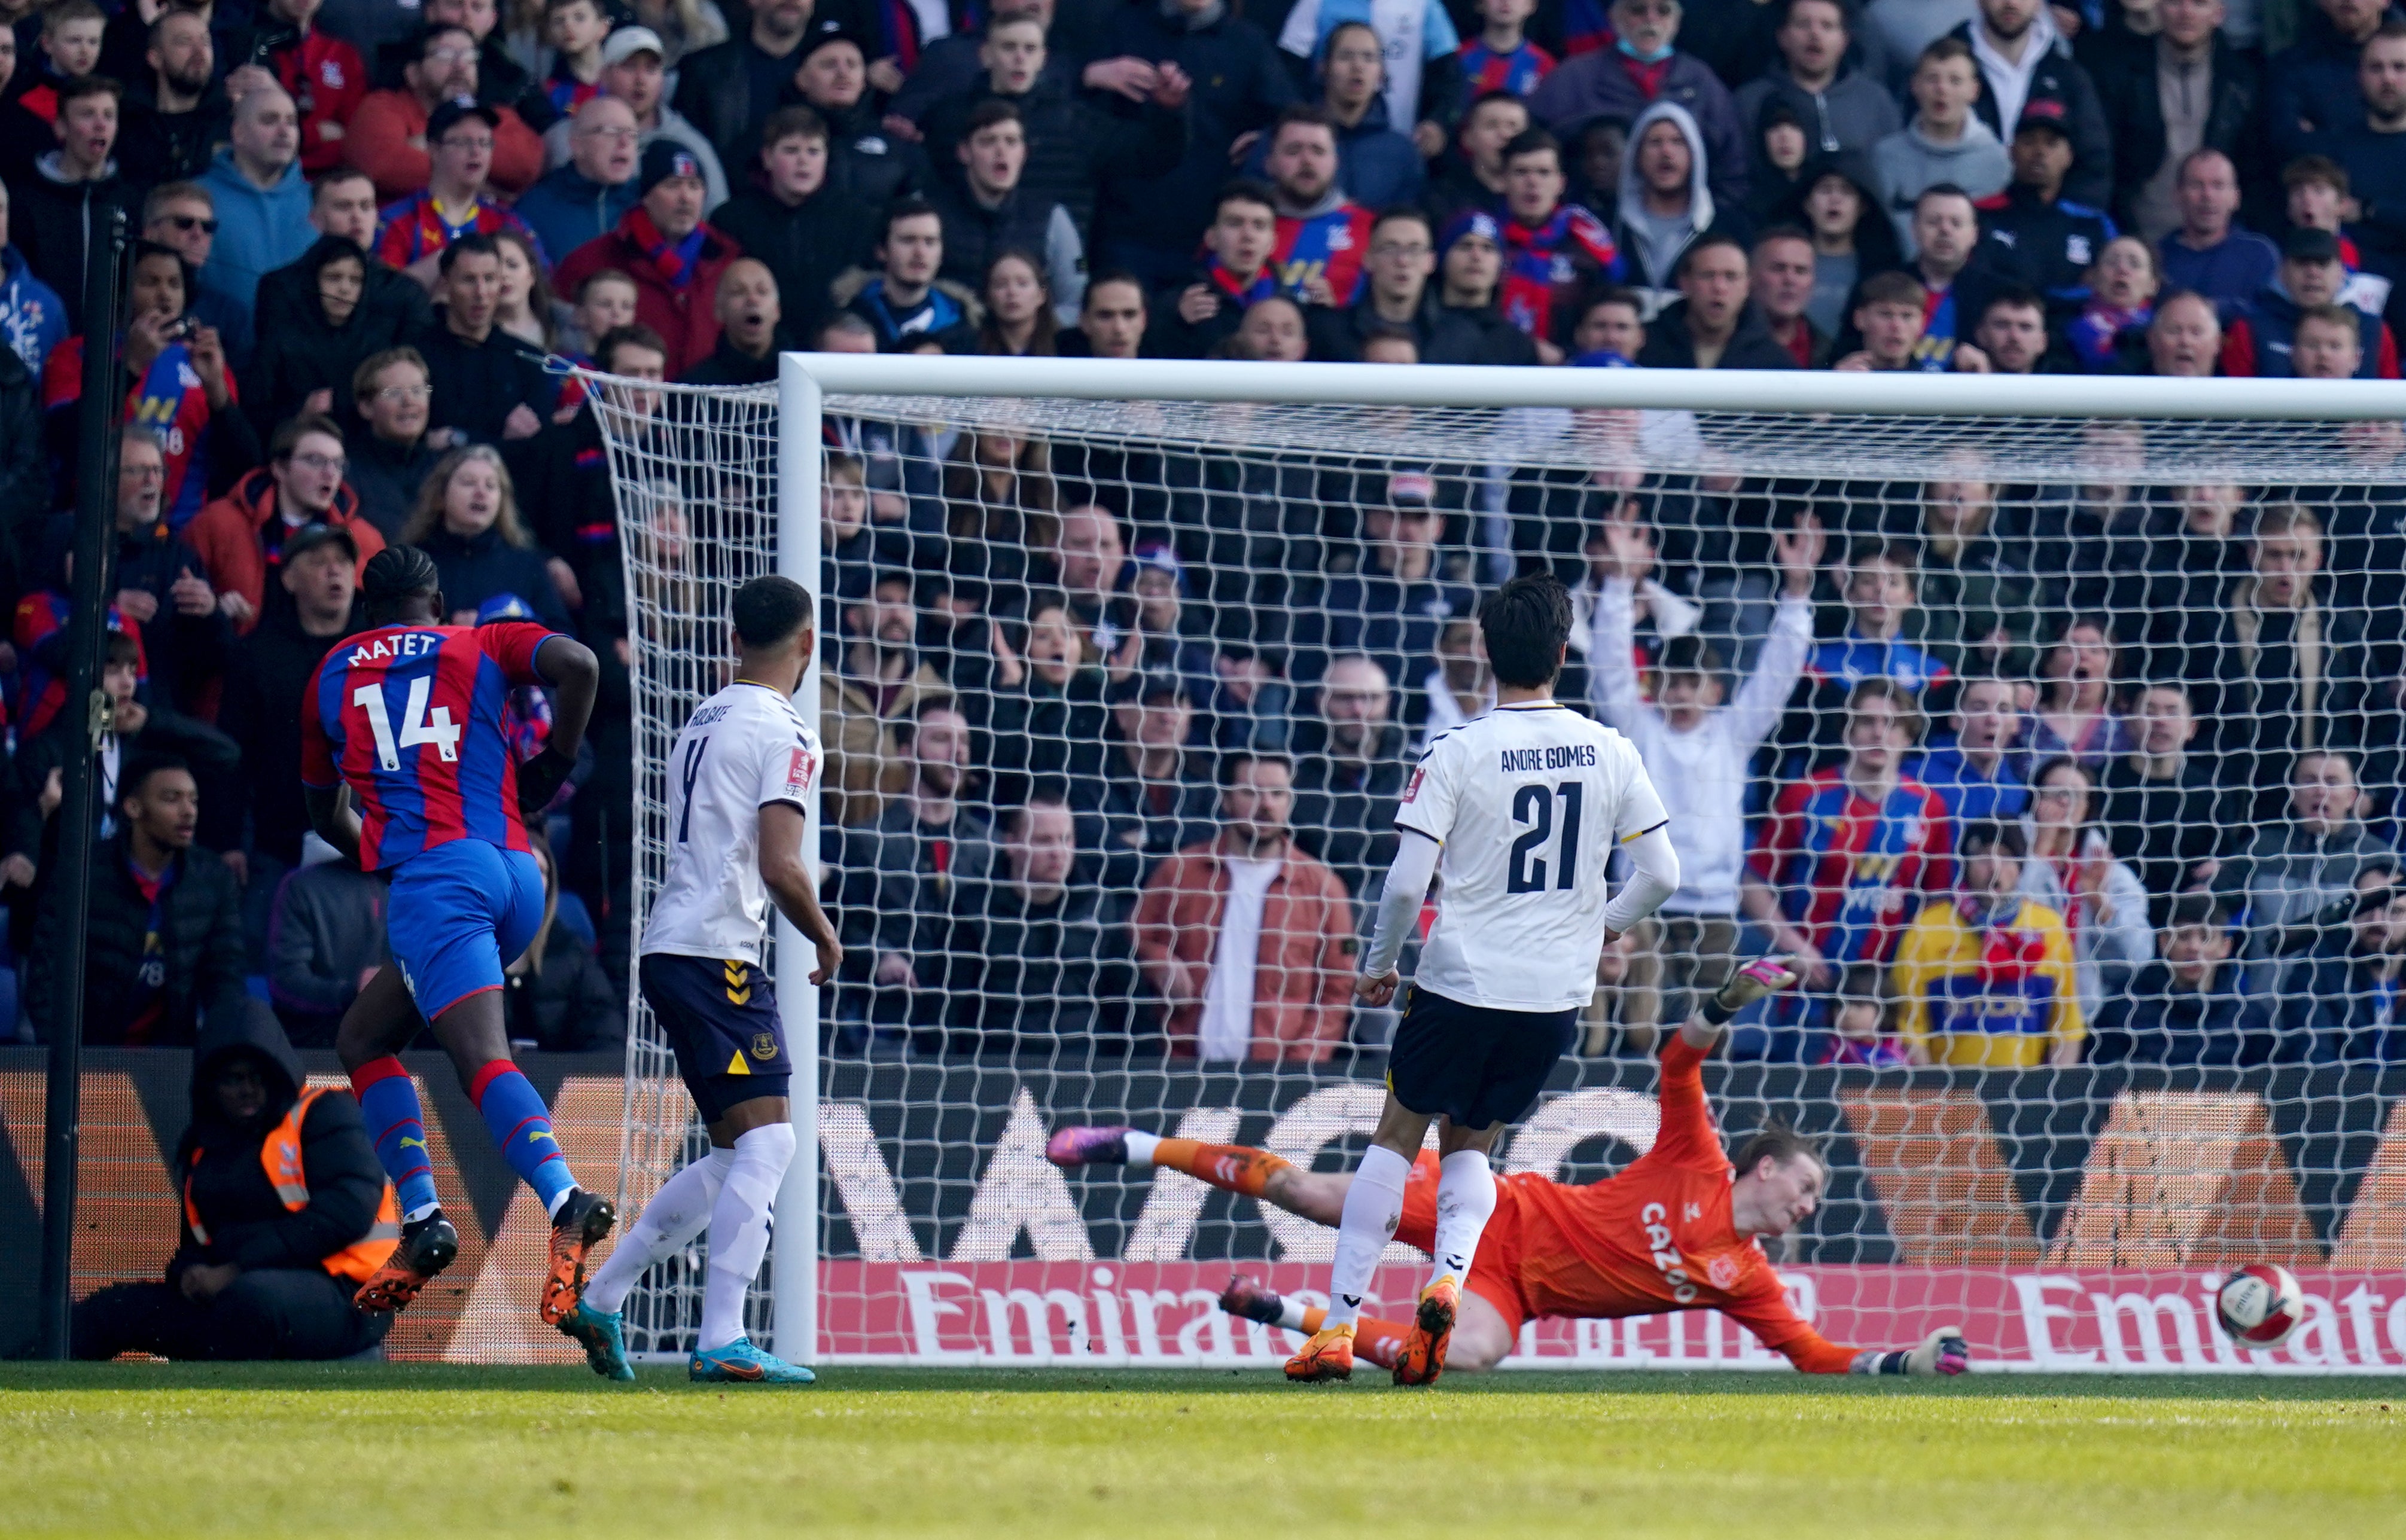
<point>740,1363</point>
<point>601,1335</point>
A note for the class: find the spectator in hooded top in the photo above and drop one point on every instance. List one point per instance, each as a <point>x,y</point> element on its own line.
<point>176,109</point>
<point>1154,225</point>
<point>1840,107</point>
<point>727,90</point>
<point>261,203</point>
<point>2208,251</point>
<point>793,217</point>
<point>1713,324</point>
<point>286,1213</point>
<point>1851,239</point>
<point>2260,343</point>
<point>1666,200</point>
<point>1946,143</point>
<point>2034,233</point>
<point>455,203</point>
<point>240,537</point>
<point>987,211</point>
<point>2024,59</point>
<point>1643,67</point>
<point>33,318</point>
<point>392,134</point>
<point>584,199</point>
<point>2310,89</point>
<point>1553,250</point>
<point>307,365</point>
<point>341,203</point>
<point>675,259</point>
<point>1073,144</point>
<point>488,386</point>
<point>1378,167</point>
<point>55,210</point>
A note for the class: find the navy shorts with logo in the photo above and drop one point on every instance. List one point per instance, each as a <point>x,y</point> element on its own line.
<point>1475,1064</point>
<point>721,1019</point>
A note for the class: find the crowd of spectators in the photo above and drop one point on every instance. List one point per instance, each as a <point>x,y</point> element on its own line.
<point>1115,736</point>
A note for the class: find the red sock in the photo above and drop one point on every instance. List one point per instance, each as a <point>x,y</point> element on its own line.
<point>1231,1167</point>
<point>1379,1341</point>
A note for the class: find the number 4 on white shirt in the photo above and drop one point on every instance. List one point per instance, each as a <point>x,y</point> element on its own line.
<point>416,726</point>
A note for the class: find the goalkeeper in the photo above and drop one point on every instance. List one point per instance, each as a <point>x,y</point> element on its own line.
<point>1676,1231</point>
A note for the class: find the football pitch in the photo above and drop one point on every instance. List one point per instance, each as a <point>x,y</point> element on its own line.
<point>431,1451</point>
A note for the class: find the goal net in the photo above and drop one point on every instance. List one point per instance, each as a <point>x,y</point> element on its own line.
<point>2062,745</point>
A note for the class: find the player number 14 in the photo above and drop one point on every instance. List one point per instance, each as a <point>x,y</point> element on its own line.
<point>417,726</point>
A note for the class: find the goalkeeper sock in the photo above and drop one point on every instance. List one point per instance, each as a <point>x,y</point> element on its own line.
<point>677,1213</point>
<point>1379,1341</point>
<point>1465,1196</point>
<point>1231,1167</point>
<point>739,1229</point>
<point>521,1127</point>
<point>388,1104</point>
<point>1374,1205</point>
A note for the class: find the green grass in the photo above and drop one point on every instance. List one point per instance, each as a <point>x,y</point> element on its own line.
<point>398,1452</point>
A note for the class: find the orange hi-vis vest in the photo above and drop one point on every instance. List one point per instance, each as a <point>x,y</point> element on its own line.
<point>280,1154</point>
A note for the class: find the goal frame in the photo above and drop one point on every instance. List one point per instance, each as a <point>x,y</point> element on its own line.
<point>805,380</point>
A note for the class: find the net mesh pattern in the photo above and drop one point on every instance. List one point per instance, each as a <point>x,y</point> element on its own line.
<point>1045,623</point>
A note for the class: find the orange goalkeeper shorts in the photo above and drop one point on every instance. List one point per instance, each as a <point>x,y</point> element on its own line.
<point>1495,1271</point>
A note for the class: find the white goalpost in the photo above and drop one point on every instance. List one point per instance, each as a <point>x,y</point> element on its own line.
<point>1276,543</point>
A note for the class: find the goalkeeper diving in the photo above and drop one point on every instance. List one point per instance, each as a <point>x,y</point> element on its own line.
<point>1681,1229</point>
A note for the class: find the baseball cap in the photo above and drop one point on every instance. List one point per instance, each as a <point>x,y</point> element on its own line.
<point>823,32</point>
<point>627,42</point>
<point>2306,243</point>
<point>503,607</point>
<point>1411,488</point>
<point>311,537</point>
<point>662,160</point>
<point>443,118</point>
<point>2043,113</point>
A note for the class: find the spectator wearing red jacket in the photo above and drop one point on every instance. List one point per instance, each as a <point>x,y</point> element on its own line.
<point>391,131</point>
<point>674,256</point>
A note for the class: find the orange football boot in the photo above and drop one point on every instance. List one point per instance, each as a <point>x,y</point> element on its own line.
<point>1423,1358</point>
<point>1329,1355</point>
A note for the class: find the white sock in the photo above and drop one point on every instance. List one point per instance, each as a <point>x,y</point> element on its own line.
<point>739,1229</point>
<point>667,1225</point>
<point>1291,1312</point>
<point>1141,1146</point>
<point>1373,1207</point>
<point>1465,1196</point>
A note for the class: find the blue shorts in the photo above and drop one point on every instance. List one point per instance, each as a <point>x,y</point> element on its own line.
<point>1473,1064</point>
<point>720,1018</point>
<point>459,914</point>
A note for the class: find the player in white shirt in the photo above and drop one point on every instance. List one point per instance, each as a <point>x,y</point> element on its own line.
<point>1518,811</point>
<point>739,783</point>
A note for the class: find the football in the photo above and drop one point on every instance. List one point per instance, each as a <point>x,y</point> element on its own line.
<point>2259,1304</point>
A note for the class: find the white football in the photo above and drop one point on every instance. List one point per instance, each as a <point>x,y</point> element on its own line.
<point>2260,1305</point>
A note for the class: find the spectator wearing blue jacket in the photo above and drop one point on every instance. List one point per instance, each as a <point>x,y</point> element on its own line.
<point>584,200</point>
<point>262,205</point>
<point>1424,78</point>
<point>33,318</point>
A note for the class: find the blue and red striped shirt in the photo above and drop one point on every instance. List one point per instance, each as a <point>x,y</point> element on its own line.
<point>412,718</point>
<point>1851,873</point>
<point>1484,69</point>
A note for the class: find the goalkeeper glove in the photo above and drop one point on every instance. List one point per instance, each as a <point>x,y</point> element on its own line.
<point>540,780</point>
<point>1944,1351</point>
<point>1761,977</point>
